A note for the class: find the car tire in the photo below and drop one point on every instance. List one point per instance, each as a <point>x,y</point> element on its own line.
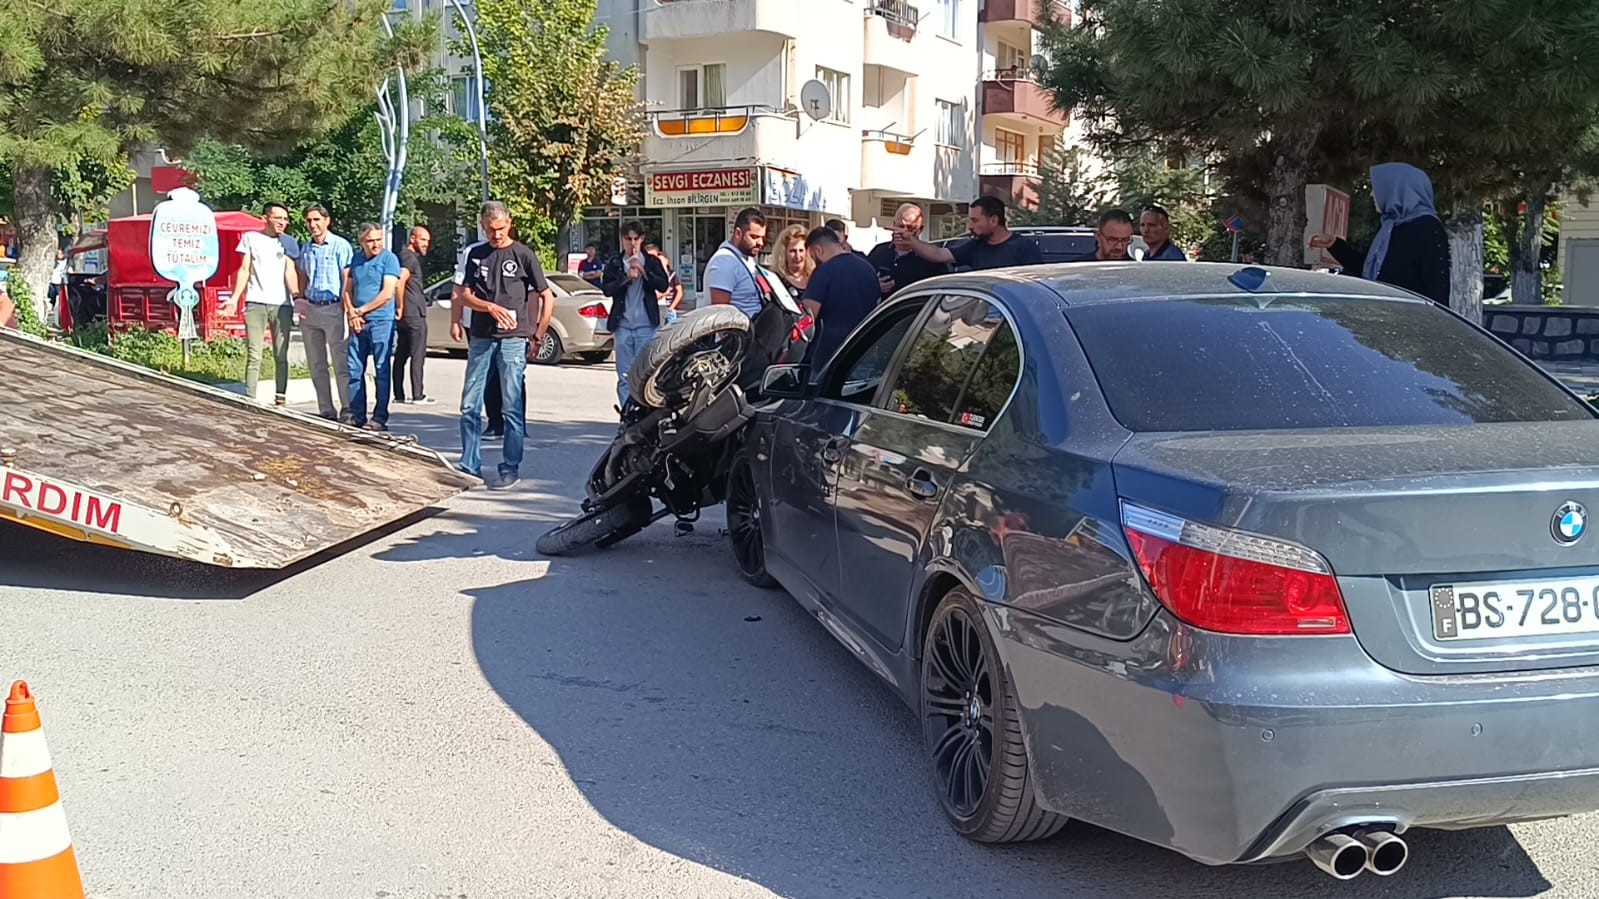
<point>551,351</point>
<point>972,729</point>
<point>653,380</point>
<point>595,357</point>
<point>744,526</point>
<point>598,529</point>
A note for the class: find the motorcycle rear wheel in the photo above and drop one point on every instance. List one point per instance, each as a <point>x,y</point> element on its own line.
<point>702,350</point>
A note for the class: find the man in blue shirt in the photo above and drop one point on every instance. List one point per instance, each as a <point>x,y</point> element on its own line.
<point>324,261</point>
<point>369,308</point>
<point>592,268</point>
<point>841,293</point>
<point>732,275</point>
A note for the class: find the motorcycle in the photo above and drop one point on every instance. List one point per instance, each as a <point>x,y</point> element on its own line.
<point>689,399</point>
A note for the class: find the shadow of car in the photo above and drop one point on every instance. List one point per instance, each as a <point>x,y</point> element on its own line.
<point>577,331</point>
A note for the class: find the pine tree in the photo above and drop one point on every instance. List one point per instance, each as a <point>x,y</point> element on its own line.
<point>93,79</point>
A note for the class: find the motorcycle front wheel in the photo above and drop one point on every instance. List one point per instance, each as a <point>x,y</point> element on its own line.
<point>597,529</point>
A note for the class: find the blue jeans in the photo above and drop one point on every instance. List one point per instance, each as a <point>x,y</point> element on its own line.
<point>377,341</point>
<point>629,343</point>
<point>507,359</point>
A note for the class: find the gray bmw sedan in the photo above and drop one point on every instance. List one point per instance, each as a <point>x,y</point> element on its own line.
<point>1248,563</point>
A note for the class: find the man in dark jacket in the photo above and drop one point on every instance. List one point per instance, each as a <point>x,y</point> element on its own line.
<point>632,280</point>
<point>1411,249</point>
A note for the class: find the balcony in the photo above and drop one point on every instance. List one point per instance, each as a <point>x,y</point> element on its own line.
<point>1013,182</point>
<point>890,36</point>
<point>738,135</point>
<point>1032,12</point>
<point>667,20</point>
<point>1012,94</point>
<point>887,164</point>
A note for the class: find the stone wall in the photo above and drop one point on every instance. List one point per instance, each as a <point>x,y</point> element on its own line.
<point>1552,333</point>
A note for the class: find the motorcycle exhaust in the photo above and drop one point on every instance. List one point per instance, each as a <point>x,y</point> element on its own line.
<point>1386,853</point>
<point>1340,855</point>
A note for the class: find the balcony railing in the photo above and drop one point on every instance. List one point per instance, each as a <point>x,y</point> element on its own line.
<point>720,121</point>
<point>902,17</point>
<point>1011,73</point>
<point>898,144</point>
<point>1023,169</point>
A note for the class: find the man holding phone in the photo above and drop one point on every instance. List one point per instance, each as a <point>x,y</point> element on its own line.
<point>896,261</point>
<point>502,278</point>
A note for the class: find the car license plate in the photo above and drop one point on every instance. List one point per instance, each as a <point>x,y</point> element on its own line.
<point>1515,609</point>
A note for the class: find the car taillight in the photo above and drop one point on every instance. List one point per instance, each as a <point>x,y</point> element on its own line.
<point>1231,582</point>
<point>593,310</point>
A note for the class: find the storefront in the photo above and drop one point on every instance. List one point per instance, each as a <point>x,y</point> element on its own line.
<point>691,213</point>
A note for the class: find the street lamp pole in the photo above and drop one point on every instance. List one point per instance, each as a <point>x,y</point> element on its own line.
<point>477,85</point>
<point>395,127</point>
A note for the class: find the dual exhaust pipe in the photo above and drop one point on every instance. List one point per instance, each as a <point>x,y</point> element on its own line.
<point>1346,855</point>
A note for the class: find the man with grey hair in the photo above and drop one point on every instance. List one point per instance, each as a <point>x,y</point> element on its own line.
<point>896,262</point>
<point>504,288</point>
<point>374,277</point>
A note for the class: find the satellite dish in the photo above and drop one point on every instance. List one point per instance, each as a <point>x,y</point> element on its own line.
<point>1039,63</point>
<point>816,100</point>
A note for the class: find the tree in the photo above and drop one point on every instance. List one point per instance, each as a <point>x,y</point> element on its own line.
<point>1068,194</point>
<point>93,79</point>
<point>344,169</point>
<point>563,119</point>
<point>1280,89</point>
<point>1144,180</point>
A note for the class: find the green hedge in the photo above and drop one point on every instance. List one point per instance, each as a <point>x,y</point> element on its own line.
<point>27,321</point>
<point>217,361</point>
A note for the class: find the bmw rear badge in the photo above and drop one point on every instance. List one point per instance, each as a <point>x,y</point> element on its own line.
<point>1570,522</point>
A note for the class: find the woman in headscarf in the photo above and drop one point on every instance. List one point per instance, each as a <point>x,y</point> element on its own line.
<point>1411,250</point>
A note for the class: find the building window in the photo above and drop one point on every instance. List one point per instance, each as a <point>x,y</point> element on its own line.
<point>702,87</point>
<point>463,98</point>
<point>951,124</point>
<point>1012,62</point>
<point>949,19</point>
<point>1009,147</point>
<point>1046,146</point>
<point>837,86</point>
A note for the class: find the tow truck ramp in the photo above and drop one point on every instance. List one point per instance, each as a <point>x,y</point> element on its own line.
<point>101,451</point>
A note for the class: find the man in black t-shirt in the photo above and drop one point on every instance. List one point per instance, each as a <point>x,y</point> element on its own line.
<point>411,330</point>
<point>842,292</point>
<point>896,262</point>
<point>992,245</point>
<point>501,279</point>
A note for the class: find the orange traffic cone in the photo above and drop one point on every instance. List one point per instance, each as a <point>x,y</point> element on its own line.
<point>36,860</point>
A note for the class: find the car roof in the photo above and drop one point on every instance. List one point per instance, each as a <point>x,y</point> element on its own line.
<point>1093,283</point>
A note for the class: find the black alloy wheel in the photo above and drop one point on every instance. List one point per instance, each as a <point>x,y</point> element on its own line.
<point>744,526</point>
<point>971,724</point>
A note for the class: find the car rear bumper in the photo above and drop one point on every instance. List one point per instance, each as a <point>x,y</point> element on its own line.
<point>1236,750</point>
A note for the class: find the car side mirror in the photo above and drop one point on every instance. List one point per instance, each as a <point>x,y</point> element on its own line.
<point>786,382</point>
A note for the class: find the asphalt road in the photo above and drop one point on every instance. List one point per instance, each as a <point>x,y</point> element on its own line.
<point>438,713</point>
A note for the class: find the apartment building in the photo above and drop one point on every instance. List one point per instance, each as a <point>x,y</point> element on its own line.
<point>727,127</point>
<point>1020,124</point>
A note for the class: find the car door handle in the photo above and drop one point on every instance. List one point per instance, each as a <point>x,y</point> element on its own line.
<point>920,484</point>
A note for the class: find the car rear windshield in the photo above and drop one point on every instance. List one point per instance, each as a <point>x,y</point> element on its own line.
<point>1262,363</point>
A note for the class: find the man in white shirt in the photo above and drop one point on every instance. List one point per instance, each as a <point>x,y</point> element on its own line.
<point>265,284</point>
<point>732,275</point>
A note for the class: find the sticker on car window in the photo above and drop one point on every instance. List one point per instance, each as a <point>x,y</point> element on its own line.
<point>972,419</point>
